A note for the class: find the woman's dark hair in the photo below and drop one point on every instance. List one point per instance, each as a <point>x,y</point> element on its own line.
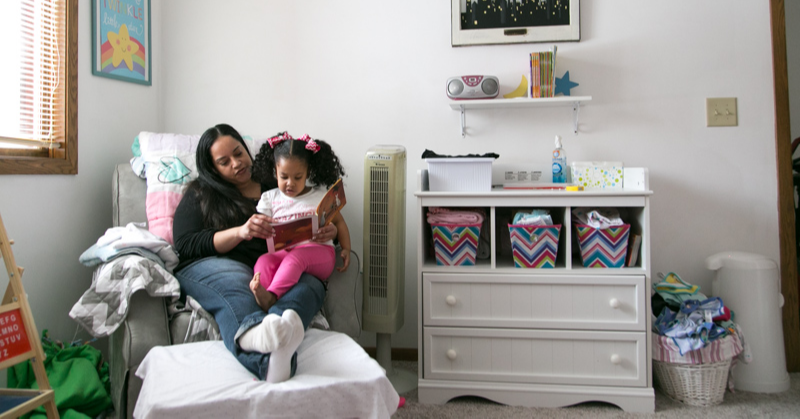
<point>221,203</point>
<point>324,167</point>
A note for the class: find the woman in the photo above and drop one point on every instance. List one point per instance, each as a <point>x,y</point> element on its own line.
<point>219,236</point>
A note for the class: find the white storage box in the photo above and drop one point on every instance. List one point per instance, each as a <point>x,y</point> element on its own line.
<point>460,174</point>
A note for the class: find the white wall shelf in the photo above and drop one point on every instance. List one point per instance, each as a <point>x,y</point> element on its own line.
<point>573,101</point>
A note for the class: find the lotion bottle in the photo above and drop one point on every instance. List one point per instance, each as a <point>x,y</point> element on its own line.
<point>559,163</point>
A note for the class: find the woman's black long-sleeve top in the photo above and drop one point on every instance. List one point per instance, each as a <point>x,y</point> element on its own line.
<point>193,240</point>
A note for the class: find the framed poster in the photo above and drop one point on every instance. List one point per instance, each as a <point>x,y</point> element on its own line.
<point>485,22</point>
<point>121,40</point>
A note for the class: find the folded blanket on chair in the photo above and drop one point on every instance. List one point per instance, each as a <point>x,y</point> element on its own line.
<point>133,238</point>
<point>103,307</point>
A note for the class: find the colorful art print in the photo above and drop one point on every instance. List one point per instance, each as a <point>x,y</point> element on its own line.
<point>482,22</point>
<point>121,40</point>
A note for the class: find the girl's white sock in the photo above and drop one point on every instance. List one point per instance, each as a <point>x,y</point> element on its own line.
<point>280,360</point>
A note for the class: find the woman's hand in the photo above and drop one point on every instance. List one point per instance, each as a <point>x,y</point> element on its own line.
<point>345,254</point>
<point>257,226</point>
<point>325,234</point>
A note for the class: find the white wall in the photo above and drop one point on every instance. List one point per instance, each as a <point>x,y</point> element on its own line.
<point>360,73</point>
<point>54,218</point>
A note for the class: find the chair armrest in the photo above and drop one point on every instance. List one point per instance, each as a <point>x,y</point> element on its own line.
<point>341,306</point>
<point>146,326</point>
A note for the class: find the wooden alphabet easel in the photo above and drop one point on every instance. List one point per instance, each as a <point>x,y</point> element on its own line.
<point>19,341</point>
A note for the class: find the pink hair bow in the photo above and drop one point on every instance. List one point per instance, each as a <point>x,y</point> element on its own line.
<point>311,145</point>
<point>273,141</point>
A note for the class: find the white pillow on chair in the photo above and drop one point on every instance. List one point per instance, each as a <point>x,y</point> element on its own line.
<point>169,164</point>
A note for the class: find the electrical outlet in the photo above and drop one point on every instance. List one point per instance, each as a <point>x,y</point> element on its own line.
<point>721,112</point>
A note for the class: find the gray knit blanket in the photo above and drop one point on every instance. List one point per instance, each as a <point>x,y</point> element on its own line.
<point>104,306</point>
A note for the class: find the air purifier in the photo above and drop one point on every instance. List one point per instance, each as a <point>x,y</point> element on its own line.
<point>384,253</point>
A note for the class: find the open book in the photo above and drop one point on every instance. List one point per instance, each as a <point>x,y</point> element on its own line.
<point>300,230</point>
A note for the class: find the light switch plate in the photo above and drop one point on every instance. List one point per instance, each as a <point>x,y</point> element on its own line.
<point>721,112</point>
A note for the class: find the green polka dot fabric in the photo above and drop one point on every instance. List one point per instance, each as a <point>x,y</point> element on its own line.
<point>597,175</point>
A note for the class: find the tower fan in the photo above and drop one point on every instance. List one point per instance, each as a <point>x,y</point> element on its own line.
<point>384,253</point>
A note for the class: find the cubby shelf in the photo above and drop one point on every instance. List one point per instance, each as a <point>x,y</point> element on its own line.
<point>573,101</point>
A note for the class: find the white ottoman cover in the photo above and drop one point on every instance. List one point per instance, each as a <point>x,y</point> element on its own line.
<point>335,379</point>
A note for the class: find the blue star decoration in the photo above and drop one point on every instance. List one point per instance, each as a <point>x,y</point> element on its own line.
<point>563,84</point>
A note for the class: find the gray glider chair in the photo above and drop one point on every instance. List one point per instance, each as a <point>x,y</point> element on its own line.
<point>148,322</point>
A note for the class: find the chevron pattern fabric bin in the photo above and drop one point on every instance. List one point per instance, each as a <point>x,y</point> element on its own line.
<point>534,246</point>
<point>603,248</point>
<point>455,245</point>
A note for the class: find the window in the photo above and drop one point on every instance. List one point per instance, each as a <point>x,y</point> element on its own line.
<point>39,87</point>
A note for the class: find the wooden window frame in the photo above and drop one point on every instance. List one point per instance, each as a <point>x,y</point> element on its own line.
<point>62,161</point>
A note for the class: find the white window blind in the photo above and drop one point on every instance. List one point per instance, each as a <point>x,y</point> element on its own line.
<point>33,100</point>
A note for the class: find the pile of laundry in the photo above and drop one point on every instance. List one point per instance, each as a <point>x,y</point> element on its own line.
<point>691,320</point>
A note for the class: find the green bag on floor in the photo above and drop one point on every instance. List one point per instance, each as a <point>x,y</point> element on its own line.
<point>78,375</point>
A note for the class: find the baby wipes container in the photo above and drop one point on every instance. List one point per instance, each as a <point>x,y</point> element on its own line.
<point>749,285</point>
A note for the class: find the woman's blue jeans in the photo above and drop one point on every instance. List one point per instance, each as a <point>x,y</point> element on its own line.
<point>222,287</point>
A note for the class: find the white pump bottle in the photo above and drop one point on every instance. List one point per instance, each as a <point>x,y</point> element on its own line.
<point>559,163</point>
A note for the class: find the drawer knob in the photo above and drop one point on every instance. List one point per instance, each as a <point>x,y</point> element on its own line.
<point>615,359</point>
<point>614,303</point>
<point>451,354</point>
<point>450,300</point>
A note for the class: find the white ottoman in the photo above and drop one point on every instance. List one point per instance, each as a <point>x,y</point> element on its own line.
<point>335,378</point>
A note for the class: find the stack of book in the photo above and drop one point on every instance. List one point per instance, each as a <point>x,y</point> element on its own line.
<point>543,73</point>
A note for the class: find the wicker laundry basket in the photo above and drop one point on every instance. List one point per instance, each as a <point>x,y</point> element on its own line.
<point>695,385</point>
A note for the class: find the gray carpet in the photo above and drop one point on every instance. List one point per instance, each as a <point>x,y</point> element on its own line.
<point>735,405</point>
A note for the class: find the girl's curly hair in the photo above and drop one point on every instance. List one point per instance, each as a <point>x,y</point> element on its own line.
<point>324,167</point>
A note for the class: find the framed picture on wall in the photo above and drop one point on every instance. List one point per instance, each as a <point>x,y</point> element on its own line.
<point>486,22</point>
<point>121,40</point>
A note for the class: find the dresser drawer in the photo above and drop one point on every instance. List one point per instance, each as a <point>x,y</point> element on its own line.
<point>534,301</point>
<point>535,356</point>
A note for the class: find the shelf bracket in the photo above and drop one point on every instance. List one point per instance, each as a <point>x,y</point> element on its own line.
<point>463,122</point>
<point>576,109</point>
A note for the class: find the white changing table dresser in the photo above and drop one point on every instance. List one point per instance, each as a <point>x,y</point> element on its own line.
<point>536,337</point>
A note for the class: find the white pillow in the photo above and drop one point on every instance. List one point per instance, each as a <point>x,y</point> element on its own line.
<point>169,164</point>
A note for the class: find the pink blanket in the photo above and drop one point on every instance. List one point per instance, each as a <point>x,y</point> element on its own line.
<point>438,215</point>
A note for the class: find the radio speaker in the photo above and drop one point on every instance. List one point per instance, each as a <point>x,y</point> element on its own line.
<point>472,87</point>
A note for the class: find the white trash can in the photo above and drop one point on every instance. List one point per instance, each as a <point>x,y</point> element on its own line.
<point>749,285</point>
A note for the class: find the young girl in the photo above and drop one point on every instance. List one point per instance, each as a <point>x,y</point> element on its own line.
<point>295,161</point>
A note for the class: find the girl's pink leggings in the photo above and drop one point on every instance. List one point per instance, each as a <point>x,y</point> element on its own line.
<point>281,270</point>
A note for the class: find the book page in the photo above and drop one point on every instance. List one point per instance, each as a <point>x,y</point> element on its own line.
<point>333,201</point>
<point>292,233</point>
